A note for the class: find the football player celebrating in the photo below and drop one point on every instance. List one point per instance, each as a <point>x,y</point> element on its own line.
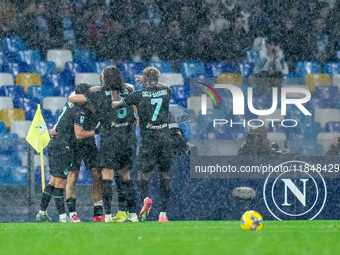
<point>60,154</point>
<point>153,108</point>
<point>85,150</point>
<point>118,142</point>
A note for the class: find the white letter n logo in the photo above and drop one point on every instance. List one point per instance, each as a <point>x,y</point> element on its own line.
<point>301,196</point>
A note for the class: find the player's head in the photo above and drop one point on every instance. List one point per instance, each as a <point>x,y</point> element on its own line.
<point>82,88</point>
<point>112,79</point>
<point>150,77</point>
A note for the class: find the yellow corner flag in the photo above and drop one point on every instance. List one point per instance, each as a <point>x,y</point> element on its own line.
<point>38,136</point>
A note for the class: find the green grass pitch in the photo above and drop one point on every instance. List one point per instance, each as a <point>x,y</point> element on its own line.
<point>190,237</point>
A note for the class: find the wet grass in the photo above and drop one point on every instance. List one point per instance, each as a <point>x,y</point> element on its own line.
<point>213,237</point>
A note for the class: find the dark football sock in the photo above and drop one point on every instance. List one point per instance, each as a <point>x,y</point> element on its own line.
<point>107,195</point>
<point>121,194</point>
<point>165,194</point>
<point>58,195</point>
<point>46,197</point>
<point>143,188</point>
<point>130,196</point>
<point>71,204</point>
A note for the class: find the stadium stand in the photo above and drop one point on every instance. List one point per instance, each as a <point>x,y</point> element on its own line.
<point>6,79</point>
<point>307,67</point>
<point>162,66</point>
<point>170,79</point>
<point>6,102</point>
<point>29,57</point>
<point>325,115</point>
<point>89,78</point>
<point>28,79</point>
<point>54,103</point>
<point>20,127</point>
<point>216,68</point>
<point>59,57</point>
<point>9,115</point>
<point>317,79</point>
<point>13,91</point>
<point>230,78</point>
<point>84,57</point>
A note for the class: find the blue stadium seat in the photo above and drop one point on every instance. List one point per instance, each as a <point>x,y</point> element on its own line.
<point>262,103</point>
<point>71,68</point>
<point>130,69</point>
<point>98,67</point>
<point>308,67</point>
<point>29,57</point>
<point>15,68</point>
<point>55,80</point>
<point>216,68</point>
<point>185,127</point>
<point>18,175</point>
<point>11,145</point>
<point>245,69</point>
<point>278,128</point>
<point>292,112</point>
<point>63,91</point>
<point>318,103</point>
<point>57,114</point>
<point>162,66</point>
<point>84,175</point>
<point>39,92</point>
<point>337,55</point>
<point>2,61</point>
<point>307,148</point>
<point>25,103</point>
<point>253,56</point>
<point>5,174</point>
<point>47,115</point>
<point>11,46</point>
<point>332,68</point>
<point>84,57</point>
<point>180,94</point>
<point>330,93</point>
<point>43,68</point>
<point>293,79</point>
<point>13,91</point>
<point>38,174</point>
<point>3,129</point>
<point>332,127</point>
<point>309,130</point>
<point>193,70</point>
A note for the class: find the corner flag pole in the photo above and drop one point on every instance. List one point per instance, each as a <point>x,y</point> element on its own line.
<point>42,170</point>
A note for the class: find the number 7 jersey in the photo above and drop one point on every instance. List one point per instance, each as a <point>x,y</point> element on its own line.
<point>152,106</point>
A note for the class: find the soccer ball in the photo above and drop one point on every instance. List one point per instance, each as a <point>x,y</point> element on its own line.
<point>251,220</point>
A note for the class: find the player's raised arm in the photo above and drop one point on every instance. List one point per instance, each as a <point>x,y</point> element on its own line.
<point>77,98</point>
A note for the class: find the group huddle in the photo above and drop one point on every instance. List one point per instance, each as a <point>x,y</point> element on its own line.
<point>114,110</point>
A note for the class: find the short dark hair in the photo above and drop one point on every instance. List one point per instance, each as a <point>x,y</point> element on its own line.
<point>113,79</point>
<point>82,88</point>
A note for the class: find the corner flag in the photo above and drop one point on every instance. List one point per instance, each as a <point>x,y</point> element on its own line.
<point>38,136</point>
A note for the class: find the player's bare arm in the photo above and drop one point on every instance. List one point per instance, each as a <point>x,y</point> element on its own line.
<point>95,88</point>
<point>77,98</point>
<point>116,100</point>
<point>81,133</point>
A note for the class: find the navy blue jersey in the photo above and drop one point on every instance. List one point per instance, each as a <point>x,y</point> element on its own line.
<point>115,122</point>
<point>72,114</point>
<point>152,105</point>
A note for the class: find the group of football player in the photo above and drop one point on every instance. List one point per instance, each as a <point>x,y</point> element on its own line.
<point>113,110</point>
